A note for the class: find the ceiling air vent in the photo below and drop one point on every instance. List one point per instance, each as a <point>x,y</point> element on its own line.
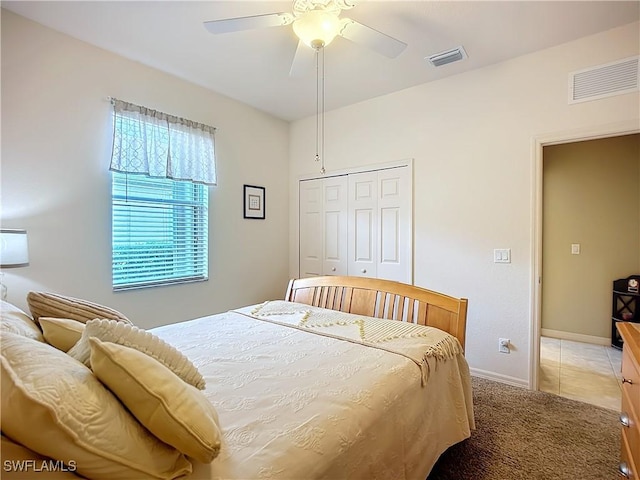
<point>615,78</point>
<point>449,56</point>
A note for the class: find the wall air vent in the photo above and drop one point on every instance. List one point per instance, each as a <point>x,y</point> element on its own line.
<point>615,78</point>
<point>450,56</point>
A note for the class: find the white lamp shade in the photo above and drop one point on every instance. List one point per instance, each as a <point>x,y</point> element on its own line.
<point>14,248</point>
<point>317,28</point>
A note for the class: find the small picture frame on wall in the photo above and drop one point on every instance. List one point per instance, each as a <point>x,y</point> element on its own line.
<point>254,207</point>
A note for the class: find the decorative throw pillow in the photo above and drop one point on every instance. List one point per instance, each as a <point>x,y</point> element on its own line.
<point>56,407</point>
<point>44,304</point>
<point>146,342</point>
<point>174,411</point>
<point>62,333</point>
<point>14,320</point>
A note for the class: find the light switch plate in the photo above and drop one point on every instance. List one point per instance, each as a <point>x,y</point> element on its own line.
<point>502,255</point>
<point>575,249</point>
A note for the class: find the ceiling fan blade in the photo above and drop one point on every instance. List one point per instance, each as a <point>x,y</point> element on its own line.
<point>238,24</point>
<point>302,61</point>
<point>371,38</point>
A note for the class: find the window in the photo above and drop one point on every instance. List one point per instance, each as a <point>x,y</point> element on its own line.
<point>161,168</point>
<point>160,231</point>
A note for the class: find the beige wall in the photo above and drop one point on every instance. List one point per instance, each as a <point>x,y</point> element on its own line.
<point>56,146</point>
<point>591,197</point>
<point>471,137</point>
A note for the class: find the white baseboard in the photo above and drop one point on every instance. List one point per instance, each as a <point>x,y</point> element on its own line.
<point>497,377</point>
<point>576,337</point>
<point>545,332</point>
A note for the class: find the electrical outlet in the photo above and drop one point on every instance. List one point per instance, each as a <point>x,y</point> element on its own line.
<point>503,345</point>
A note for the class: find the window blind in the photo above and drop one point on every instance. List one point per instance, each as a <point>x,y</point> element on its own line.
<point>159,231</point>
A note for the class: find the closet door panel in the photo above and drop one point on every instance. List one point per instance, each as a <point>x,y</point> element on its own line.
<point>396,233</point>
<point>364,235</point>
<point>363,224</point>
<point>311,234</point>
<point>389,236</point>
<point>335,225</point>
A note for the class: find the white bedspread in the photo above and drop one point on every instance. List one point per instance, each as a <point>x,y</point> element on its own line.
<point>297,402</point>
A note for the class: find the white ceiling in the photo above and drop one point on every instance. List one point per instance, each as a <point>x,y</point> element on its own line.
<point>253,66</point>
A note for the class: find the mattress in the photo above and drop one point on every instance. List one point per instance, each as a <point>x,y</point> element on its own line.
<point>304,392</point>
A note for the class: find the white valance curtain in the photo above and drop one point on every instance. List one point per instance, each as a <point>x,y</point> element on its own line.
<point>156,144</point>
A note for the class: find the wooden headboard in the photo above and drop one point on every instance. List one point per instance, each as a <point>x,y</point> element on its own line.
<point>379,298</point>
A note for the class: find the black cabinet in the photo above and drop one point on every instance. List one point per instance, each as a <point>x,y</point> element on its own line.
<point>625,306</point>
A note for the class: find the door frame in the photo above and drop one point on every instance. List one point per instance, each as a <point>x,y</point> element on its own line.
<point>408,162</point>
<point>537,145</point>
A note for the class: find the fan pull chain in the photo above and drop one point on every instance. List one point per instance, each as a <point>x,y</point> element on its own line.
<point>317,55</point>
<point>320,107</point>
<point>322,170</point>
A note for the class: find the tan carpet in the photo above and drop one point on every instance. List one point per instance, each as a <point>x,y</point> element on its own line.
<point>523,434</point>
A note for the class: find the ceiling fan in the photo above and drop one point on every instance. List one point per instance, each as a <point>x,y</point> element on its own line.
<point>316,23</point>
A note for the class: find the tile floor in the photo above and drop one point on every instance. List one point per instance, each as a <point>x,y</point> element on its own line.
<point>581,371</point>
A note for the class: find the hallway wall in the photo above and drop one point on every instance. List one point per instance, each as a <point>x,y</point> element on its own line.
<point>591,197</point>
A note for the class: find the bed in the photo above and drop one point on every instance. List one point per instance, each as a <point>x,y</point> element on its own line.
<point>345,378</point>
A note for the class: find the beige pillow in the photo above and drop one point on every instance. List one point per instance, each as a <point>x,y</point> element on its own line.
<point>146,342</point>
<point>62,333</point>
<point>14,320</point>
<point>44,304</point>
<point>174,411</point>
<point>56,407</point>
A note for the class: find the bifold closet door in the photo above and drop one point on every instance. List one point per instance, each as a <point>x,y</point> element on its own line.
<point>358,224</point>
<point>380,224</point>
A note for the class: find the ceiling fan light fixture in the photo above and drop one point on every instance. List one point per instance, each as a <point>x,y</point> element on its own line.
<point>317,28</point>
